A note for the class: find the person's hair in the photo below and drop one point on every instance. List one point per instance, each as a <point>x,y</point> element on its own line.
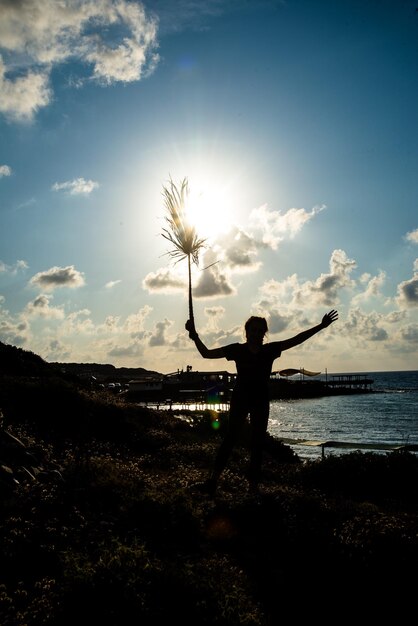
<point>258,320</point>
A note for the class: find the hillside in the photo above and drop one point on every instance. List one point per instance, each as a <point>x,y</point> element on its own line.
<point>19,362</point>
<point>101,521</point>
<point>104,372</point>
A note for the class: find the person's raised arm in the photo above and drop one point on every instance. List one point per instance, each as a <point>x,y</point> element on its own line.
<point>206,353</point>
<point>328,319</point>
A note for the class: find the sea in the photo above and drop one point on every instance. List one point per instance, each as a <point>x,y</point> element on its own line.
<point>379,420</point>
<point>388,416</point>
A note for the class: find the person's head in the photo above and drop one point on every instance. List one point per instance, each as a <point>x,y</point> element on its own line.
<point>256,327</point>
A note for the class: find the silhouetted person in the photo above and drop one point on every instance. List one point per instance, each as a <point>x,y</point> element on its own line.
<point>250,396</point>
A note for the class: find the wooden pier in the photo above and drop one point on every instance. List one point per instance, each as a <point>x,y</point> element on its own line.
<point>353,445</point>
<point>350,382</point>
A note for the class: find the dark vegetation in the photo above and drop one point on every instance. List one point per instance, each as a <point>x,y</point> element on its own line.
<point>101,522</point>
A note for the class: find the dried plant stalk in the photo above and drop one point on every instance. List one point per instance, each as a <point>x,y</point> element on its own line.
<point>180,232</point>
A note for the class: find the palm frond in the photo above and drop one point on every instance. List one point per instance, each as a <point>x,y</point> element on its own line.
<point>180,232</point>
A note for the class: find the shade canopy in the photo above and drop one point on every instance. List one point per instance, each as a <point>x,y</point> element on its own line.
<point>291,372</point>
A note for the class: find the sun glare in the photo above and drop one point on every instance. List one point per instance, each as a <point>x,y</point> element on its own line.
<point>210,210</point>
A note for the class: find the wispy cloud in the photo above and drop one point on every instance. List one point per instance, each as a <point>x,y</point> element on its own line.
<point>13,269</point>
<point>78,186</point>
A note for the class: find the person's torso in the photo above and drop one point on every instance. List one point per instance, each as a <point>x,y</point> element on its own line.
<point>253,368</point>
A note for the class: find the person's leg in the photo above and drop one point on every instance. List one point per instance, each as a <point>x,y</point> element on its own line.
<point>236,420</point>
<point>259,416</point>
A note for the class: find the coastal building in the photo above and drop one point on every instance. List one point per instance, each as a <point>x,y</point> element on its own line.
<point>184,386</point>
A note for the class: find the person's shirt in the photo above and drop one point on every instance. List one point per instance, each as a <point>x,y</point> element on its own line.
<point>253,369</point>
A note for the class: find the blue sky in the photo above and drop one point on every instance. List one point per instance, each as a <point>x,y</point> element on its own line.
<point>295,123</point>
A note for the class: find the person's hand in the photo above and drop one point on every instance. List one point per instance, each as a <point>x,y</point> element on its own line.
<point>329,318</point>
<point>190,327</point>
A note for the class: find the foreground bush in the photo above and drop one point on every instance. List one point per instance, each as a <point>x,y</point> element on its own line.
<point>101,523</point>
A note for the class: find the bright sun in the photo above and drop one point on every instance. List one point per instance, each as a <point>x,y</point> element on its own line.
<point>210,210</point>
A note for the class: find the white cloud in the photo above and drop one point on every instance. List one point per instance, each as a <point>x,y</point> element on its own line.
<point>325,289</point>
<point>56,351</point>
<point>412,236</point>
<point>78,323</point>
<point>214,312</point>
<point>76,187</point>
<point>111,323</point>
<point>134,324</point>
<point>116,38</point>
<point>395,317</point>
<point>213,283</point>
<point>164,280</point>
<point>235,252</point>
<point>273,289</point>
<point>21,97</point>
<point>238,250</point>
<point>365,326</point>
<point>15,333</point>
<point>410,334</point>
<point>275,226</point>
<point>158,337</point>
<point>407,297</point>
<point>278,322</point>
<point>408,293</point>
<point>5,170</point>
<point>131,351</point>
<point>40,307</point>
<point>373,287</point>
<point>58,277</point>
<point>13,330</point>
<point>285,303</point>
